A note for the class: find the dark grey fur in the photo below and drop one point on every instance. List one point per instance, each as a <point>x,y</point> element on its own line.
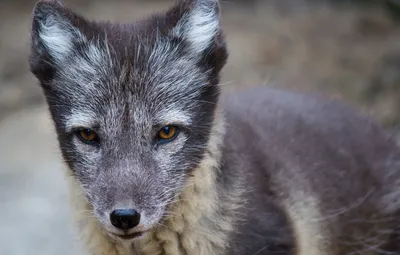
<point>283,140</point>
<point>124,80</point>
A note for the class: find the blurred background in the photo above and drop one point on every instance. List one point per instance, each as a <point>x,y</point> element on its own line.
<point>342,48</point>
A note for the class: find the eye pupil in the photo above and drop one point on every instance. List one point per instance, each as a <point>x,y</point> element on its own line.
<point>166,130</point>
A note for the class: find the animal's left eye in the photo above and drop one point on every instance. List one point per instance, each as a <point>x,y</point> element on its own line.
<point>167,133</point>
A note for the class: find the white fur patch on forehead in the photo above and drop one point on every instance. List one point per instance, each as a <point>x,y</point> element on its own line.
<point>168,116</point>
<point>79,119</point>
<point>200,25</point>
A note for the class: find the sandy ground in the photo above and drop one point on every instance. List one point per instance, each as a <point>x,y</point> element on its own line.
<point>344,51</point>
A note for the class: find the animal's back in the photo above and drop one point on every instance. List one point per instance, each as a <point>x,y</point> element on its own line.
<point>318,177</point>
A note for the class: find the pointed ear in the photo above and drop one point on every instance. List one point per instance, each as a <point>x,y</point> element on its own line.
<point>53,35</point>
<point>197,22</point>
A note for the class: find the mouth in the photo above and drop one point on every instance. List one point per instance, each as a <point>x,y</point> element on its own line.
<point>129,236</point>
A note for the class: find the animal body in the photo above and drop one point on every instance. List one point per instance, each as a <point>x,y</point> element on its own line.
<point>161,163</point>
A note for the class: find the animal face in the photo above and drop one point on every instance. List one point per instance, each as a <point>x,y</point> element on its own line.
<point>133,104</point>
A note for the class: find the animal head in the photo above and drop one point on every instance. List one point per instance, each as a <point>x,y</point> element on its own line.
<point>133,104</point>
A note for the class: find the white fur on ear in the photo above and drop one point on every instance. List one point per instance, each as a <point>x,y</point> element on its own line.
<point>56,38</point>
<point>200,25</point>
<point>58,42</point>
<point>56,33</point>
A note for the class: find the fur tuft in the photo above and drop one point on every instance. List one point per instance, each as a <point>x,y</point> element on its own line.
<point>53,32</point>
<point>200,25</point>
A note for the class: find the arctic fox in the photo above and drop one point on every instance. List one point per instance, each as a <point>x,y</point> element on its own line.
<point>161,163</point>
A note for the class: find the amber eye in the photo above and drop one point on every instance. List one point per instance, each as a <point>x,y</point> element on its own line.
<point>87,135</point>
<point>167,133</point>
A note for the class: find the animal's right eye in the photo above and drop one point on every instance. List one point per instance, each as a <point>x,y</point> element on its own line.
<point>87,135</point>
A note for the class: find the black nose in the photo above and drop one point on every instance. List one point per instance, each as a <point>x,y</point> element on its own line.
<point>125,218</point>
